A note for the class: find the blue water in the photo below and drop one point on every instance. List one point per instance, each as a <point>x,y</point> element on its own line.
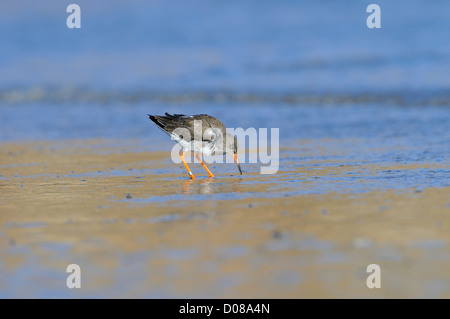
<point>258,46</point>
<point>312,69</point>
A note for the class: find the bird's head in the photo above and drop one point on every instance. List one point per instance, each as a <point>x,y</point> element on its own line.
<point>232,147</point>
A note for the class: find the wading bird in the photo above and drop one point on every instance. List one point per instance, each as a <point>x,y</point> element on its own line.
<point>201,134</point>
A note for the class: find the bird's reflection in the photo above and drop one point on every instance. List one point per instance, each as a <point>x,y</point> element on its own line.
<point>211,186</point>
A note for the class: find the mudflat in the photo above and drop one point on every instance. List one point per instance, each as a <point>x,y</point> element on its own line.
<point>138,227</point>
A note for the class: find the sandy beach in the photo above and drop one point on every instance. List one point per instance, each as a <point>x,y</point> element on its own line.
<point>138,227</point>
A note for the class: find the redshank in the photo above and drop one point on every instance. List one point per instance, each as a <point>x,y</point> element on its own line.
<point>201,134</point>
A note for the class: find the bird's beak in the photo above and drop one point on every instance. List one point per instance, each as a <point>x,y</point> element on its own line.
<point>237,163</point>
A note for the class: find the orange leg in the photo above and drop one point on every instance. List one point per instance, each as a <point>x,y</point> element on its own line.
<point>204,166</point>
<point>186,165</point>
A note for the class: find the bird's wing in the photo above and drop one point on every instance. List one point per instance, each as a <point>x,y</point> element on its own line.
<point>212,127</point>
<point>186,127</point>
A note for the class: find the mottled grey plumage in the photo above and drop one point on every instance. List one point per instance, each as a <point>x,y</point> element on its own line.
<point>200,133</point>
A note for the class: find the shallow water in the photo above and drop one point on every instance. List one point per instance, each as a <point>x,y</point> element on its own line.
<point>360,137</point>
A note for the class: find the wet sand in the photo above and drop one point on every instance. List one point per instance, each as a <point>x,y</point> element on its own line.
<point>138,227</point>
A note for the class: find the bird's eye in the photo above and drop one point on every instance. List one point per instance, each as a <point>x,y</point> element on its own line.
<point>181,136</point>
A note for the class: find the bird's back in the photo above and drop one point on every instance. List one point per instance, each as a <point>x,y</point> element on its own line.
<point>169,123</point>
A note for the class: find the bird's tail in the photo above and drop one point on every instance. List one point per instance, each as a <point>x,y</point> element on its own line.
<point>161,121</point>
